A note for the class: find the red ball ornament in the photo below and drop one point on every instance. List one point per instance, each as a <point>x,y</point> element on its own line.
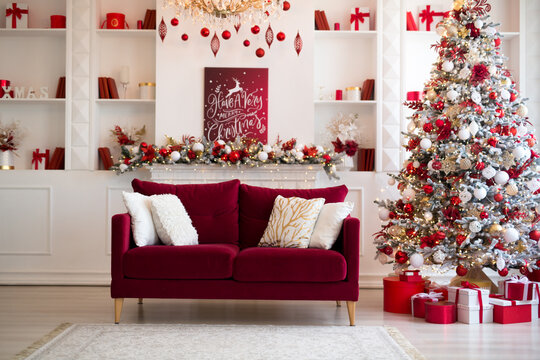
<point>247,43</point>
<point>259,52</point>
<point>205,32</point>
<point>286,6</point>
<point>174,22</point>
<point>535,235</point>
<point>513,97</point>
<point>480,166</point>
<point>503,272</point>
<point>484,215</point>
<point>523,270</point>
<point>255,29</point>
<point>497,42</point>
<point>401,257</point>
<point>531,142</point>
<point>500,113</point>
<point>408,208</point>
<point>513,131</point>
<point>428,127</point>
<point>455,200</point>
<point>461,270</point>
<point>493,95</point>
<point>439,123</point>
<point>436,165</point>
<point>428,189</point>
<point>392,215</point>
<point>388,250</point>
<point>144,145</point>
<point>410,233</point>
<point>234,156</point>
<point>164,152</point>
<point>226,34</point>
<point>185,37</point>
<point>498,197</point>
<point>280,36</point>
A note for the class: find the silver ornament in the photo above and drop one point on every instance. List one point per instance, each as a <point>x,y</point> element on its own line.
<point>438,256</point>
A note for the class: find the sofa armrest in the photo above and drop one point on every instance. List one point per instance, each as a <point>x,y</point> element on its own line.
<point>120,240</point>
<point>351,247</point>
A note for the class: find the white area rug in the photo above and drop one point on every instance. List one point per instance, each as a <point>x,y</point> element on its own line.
<point>248,342</point>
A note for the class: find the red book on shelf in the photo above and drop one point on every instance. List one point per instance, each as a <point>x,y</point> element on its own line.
<point>153,20</point>
<point>61,89</point>
<point>105,156</point>
<point>411,24</point>
<point>101,88</point>
<point>363,94</point>
<point>325,21</point>
<point>371,160</point>
<point>317,20</point>
<point>360,161</point>
<point>372,90</point>
<point>106,88</point>
<point>113,90</point>
<point>146,22</point>
<point>57,159</point>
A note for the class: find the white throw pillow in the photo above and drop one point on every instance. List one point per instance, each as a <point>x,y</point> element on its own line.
<point>142,225</point>
<point>329,224</point>
<point>291,222</point>
<point>172,222</point>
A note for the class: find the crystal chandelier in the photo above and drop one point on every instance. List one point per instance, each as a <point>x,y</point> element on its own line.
<point>220,13</point>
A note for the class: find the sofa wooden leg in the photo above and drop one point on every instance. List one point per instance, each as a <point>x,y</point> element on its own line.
<point>140,301</point>
<point>338,303</point>
<point>118,309</point>
<point>351,307</point>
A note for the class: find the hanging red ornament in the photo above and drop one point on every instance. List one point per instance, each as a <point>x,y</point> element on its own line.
<point>205,32</point>
<point>247,43</point>
<point>144,145</point>
<point>185,37</point>
<point>174,22</point>
<point>503,272</point>
<point>259,52</point>
<point>428,189</point>
<point>461,270</point>
<point>513,97</point>
<point>408,208</point>
<point>162,29</point>
<point>484,215</point>
<point>255,29</point>
<point>298,43</point>
<point>500,113</point>
<point>498,197</point>
<point>286,6</point>
<point>269,35</point>
<point>226,34</point>
<point>524,270</point>
<point>497,42</point>
<point>388,250</point>
<point>480,166</point>
<point>237,27</point>
<point>439,123</point>
<point>214,44</point>
<point>535,235</point>
<point>493,95</point>
<point>280,36</point>
<point>401,257</point>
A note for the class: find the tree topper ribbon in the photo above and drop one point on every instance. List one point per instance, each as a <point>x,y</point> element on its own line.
<point>427,16</point>
<point>358,17</point>
<point>16,12</point>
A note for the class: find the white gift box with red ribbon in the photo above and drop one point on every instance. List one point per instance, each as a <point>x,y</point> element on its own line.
<point>471,314</point>
<point>468,297</point>
<point>16,16</point>
<point>360,17</point>
<point>429,16</point>
<point>40,160</point>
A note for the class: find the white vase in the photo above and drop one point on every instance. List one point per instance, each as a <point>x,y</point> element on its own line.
<point>347,164</point>
<point>6,160</point>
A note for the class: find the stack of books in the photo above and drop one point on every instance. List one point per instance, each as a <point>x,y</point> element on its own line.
<point>107,88</point>
<point>366,159</point>
<point>57,159</point>
<point>61,89</point>
<point>106,158</point>
<point>149,22</point>
<point>321,22</point>
<point>368,90</point>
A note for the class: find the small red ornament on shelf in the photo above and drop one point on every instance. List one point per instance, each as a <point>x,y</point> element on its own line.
<point>286,6</point>
<point>247,43</point>
<point>255,29</point>
<point>226,34</point>
<point>205,32</point>
<point>259,52</point>
<point>280,36</point>
<point>461,270</point>
<point>503,272</point>
<point>185,37</point>
<point>174,22</point>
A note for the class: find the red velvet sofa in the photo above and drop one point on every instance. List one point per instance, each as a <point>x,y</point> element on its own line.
<point>230,219</point>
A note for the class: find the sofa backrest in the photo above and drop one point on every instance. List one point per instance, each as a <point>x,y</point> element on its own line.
<point>256,205</point>
<point>213,208</point>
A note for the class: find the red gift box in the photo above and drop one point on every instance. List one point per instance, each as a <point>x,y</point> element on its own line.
<point>410,275</point>
<point>397,294</point>
<point>511,311</point>
<point>521,288</point>
<point>414,95</point>
<point>418,303</point>
<point>441,312</point>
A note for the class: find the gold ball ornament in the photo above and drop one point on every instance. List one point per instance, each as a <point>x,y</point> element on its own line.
<point>458,4</point>
<point>495,228</point>
<point>431,95</point>
<point>512,189</point>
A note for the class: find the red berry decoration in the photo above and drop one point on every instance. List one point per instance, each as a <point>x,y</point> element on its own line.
<point>408,208</point>
<point>503,272</point>
<point>185,37</point>
<point>226,34</point>
<point>247,43</point>
<point>498,197</point>
<point>428,127</point>
<point>280,36</point>
<point>174,22</point>
<point>535,235</point>
<point>205,32</point>
<point>388,250</point>
<point>484,215</point>
<point>401,257</point>
<point>523,270</point>
<point>259,52</point>
<point>255,29</point>
<point>461,270</point>
<point>286,6</point>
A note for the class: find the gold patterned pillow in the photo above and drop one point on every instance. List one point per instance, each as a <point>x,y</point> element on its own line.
<point>292,222</point>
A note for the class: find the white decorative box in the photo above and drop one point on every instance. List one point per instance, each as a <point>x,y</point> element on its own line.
<point>471,314</point>
<point>16,15</point>
<point>468,297</point>
<point>360,19</point>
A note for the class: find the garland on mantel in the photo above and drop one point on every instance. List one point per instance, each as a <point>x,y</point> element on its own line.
<point>250,152</point>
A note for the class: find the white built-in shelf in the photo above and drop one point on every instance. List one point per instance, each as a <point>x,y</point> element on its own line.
<point>345,102</point>
<point>33,101</point>
<point>344,34</point>
<point>434,35</point>
<point>126,32</point>
<point>125,101</point>
<point>33,32</point>
<point>509,35</point>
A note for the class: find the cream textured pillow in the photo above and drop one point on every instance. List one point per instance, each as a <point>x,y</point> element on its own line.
<point>329,224</point>
<point>142,226</point>
<point>172,222</point>
<point>291,222</point>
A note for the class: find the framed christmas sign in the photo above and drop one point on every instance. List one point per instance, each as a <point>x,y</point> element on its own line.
<point>236,104</point>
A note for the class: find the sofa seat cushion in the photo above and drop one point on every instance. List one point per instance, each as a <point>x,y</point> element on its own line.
<point>211,261</point>
<point>289,265</point>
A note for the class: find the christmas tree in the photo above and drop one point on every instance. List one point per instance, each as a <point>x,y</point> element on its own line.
<point>470,190</point>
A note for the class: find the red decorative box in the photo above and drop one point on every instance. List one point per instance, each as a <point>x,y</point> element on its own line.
<point>397,294</point>
<point>410,275</point>
<point>418,303</point>
<point>442,312</point>
<point>414,96</point>
<point>521,288</point>
<point>512,312</point>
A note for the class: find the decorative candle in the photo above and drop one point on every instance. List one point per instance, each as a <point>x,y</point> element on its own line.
<point>353,93</point>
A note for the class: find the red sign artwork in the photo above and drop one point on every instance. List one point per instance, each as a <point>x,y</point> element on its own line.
<point>236,104</point>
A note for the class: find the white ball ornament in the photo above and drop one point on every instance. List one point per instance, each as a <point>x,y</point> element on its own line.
<point>122,167</point>
<point>465,196</point>
<point>384,214</point>
<point>521,130</point>
<point>464,134</point>
<point>512,189</point>
<point>408,195</point>
<point>475,226</point>
<point>425,143</point>
<point>502,177</point>
<point>416,260</point>
<point>262,156</point>
<point>447,66</point>
<point>480,193</point>
<point>464,73</point>
<point>490,31</point>
<point>416,164</point>
<point>428,215</point>
<point>518,152</point>
<point>197,147</point>
<point>522,110</point>
<point>391,181</point>
<point>476,97</point>
<point>268,148</point>
<point>533,185</point>
<point>452,95</point>
<point>510,235</point>
<point>175,156</point>
<point>221,142</point>
<point>478,24</point>
<point>228,149</point>
<point>492,70</point>
<point>489,172</point>
<point>473,128</point>
<point>501,264</point>
<point>505,94</point>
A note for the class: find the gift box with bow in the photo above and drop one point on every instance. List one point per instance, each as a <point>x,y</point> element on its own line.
<point>16,16</point>
<point>360,19</point>
<point>418,302</point>
<point>468,294</point>
<point>441,312</point>
<point>519,288</point>
<point>475,314</point>
<point>429,18</point>
<point>40,161</point>
<point>512,312</point>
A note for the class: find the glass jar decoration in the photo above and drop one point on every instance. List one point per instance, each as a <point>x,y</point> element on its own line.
<point>353,93</point>
<point>147,91</point>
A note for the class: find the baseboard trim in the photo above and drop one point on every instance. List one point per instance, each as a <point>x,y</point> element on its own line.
<point>54,278</point>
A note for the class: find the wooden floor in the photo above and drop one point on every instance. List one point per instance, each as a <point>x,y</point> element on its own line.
<point>29,312</point>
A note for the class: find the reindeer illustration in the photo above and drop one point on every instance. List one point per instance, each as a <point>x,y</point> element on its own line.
<point>236,89</point>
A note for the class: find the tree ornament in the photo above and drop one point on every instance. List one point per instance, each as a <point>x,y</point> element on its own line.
<point>478,24</point>
<point>383,259</point>
<point>522,111</point>
<point>215,44</point>
<point>298,43</point>
<point>510,235</point>
<point>464,73</point>
<point>533,185</point>
<point>524,270</point>
<point>465,164</point>
<point>465,196</point>
<point>502,177</point>
<point>226,34</point>
<point>475,226</point>
<point>452,95</point>
<point>174,22</point>
<point>511,189</point>
<point>408,195</point>
<point>535,235</point>
<point>480,166</point>
<point>255,29</point>
<point>185,37</point>
<point>447,66</point>
<point>259,52</point>
<point>493,95</point>
<point>197,148</point>
<point>428,189</point>
<point>417,260</point>
<point>262,156</point>
<point>518,152</point>
<point>408,208</point>
<point>476,97</point>
<point>464,134</point>
<point>438,256</point>
<point>503,272</point>
<point>495,228</point>
<point>247,43</point>
<point>489,172</point>
<point>513,97</point>
<point>280,36</point>
<point>431,95</point>
<point>286,6</point>
<point>269,36</point>
<point>175,156</point>
<point>461,270</point>
<point>480,193</point>
<point>391,181</point>
<point>205,32</point>
<point>498,197</point>
<point>425,143</point>
<point>401,257</point>
<point>428,215</point>
<point>484,215</point>
<point>473,128</point>
<point>162,29</point>
<point>497,42</point>
<point>436,165</point>
<point>505,94</point>
<point>384,214</point>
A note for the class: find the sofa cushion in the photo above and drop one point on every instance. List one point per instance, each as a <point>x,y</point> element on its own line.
<point>213,208</point>
<point>212,261</point>
<point>289,265</point>
<point>256,205</point>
